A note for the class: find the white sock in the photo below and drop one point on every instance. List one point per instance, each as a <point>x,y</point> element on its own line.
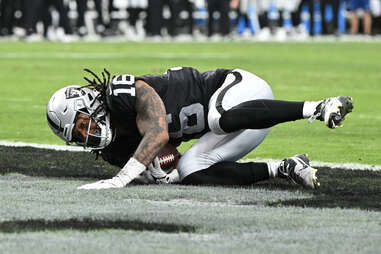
<point>309,108</point>
<point>273,168</point>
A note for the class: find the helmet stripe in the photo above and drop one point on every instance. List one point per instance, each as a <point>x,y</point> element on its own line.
<point>53,124</point>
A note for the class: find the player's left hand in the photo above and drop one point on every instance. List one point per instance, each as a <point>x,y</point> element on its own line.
<point>155,169</point>
<point>114,182</point>
<point>160,176</point>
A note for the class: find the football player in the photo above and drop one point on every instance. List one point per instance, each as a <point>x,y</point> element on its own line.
<point>128,119</point>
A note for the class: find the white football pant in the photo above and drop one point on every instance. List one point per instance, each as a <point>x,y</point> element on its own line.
<point>216,145</point>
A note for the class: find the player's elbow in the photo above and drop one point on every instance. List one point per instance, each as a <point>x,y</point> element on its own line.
<point>163,138</point>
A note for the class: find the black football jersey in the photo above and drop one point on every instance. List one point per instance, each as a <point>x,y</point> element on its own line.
<point>184,91</point>
<point>119,151</point>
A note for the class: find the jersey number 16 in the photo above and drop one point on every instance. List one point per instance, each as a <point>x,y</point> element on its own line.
<point>123,84</point>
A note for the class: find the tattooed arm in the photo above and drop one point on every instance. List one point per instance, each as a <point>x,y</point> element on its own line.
<point>153,127</point>
<point>151,123</point>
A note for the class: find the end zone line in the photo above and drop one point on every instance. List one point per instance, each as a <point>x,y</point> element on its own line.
<point>43,146</point>
<point>348,166</point>
<point>331,165</point>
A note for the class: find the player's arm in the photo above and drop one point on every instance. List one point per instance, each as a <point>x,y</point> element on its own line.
<point>151,123</point>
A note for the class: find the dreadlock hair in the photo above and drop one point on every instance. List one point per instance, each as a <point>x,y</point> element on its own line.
<point>101,87</point>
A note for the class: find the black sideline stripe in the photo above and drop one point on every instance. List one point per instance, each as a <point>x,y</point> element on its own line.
<point>85,224</point>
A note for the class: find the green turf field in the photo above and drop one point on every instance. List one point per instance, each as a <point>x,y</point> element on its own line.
<point>42,212</point>
<point>30,73</point>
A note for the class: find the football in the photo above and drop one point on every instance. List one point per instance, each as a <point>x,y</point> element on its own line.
<point>168,157</point>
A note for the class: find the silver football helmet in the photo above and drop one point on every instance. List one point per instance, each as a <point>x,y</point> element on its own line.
<point>66,104</point>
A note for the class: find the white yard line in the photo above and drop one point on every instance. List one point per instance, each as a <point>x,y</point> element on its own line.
<point>42,146</point>
<point>349,166</point>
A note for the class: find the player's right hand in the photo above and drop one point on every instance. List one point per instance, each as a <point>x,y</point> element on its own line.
<point>114,182</point>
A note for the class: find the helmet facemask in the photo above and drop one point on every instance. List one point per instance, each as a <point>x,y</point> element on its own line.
<point>97,137</point>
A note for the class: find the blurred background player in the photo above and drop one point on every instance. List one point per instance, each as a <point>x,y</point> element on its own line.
<point>330,16</point>
<point>218,17</point>
<point>81,11</point>
<point>156,18</point>
<point>10,15</point>
<point>41,11</point>
<point>355,6</point>
<point>136,19</point>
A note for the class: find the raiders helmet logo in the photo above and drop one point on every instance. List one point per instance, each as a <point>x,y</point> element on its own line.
<point>73,92</point>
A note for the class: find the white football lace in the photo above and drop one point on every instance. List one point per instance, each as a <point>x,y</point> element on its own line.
<point>166,159</point>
